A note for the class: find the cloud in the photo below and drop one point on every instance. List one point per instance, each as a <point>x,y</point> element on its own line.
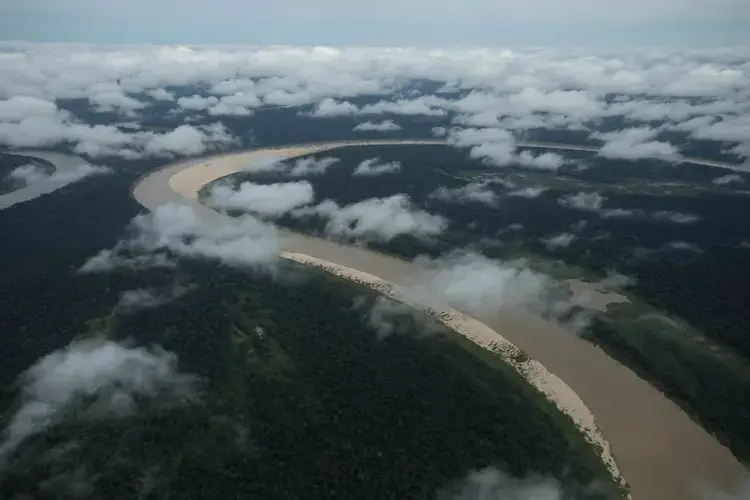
<point>529,192</point>
<point>562,240</point>
<point>544,161</point>
<point>374,166</point>
<point>728,128</point>
<point>617,213</point>
<point>583,201</point>
<point>478,192</point>
<point>477,285</point>
<point>377,219</point>
<point>47,129</point>
<point>725,180</point>
<point>197,103</point>
<point>310,166</point>
<point>265,200</point>
<point>388,317</point>
<point>439,131</point>
<point>684,246</point>
<point>94,379</point>
<point>425,106</point>
<point>112,98</point>
<point>161,94</point>
<point>616,281</point>
<point>188,140</point>
<point>32,174</point>
<point>19,108</point>
<point>676,217</point>
<point>330,107</point>
<point>143,298</point>
<point>384,126</point>
<point>635,144</point>
<point>237,104</point>
<point>177,229</point>
<point>493,484</point>
<point>497,147</point>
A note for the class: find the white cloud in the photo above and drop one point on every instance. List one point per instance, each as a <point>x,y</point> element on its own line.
<point>230,87</point>
<point>477,285</point>
<point>529,192</point>
<point>177,229</point>
<point>468,137</point>
<point>684,246</point>
<point>583,201</point>
<point>618,213</point>
<point>265,200</point>
<point>384,126</point>
<point>143,298</point>
<point>493,484</point>
<point>499,154</point>
<point>161,94</point>
<point>562,240</point>
<point>238,104</point>
<point>515,89</point>
<point>728,179</point>
<point>573,102</point>
<point>408,107</point>
<point>196,102</point>
<point>374,166</point>
<point>635,144</point>
<point>115,100</point>
<point>188,140</point>
<point>676,217</point>
<point>330,107</point>
<point>19,108</point>
<point>388,317</point>
<point>94,379</point>
<point>544,161</point>
<point>47,129</point>
<point>32,174</point>
<point>497,147</point>
<point>439,131</point>
<point>377,219</point>
<point>311,166</point>
<point>478,192</point>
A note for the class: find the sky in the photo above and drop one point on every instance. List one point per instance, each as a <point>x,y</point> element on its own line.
<point>383,23</point>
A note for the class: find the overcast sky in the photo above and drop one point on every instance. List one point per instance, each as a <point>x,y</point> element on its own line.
<point>382,22</point>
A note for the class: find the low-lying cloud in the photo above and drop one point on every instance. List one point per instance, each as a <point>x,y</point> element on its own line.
<point>477,192</point>
<point>384,126</point>
<point>28,175</point>
<point>264,200</point>
<point>376,219</point>
<point>145,298</point>
<point>173,229</point>
<point>583,201</point>
<point>374,166</point>
<point>477,285</point>
<point>94,379</point>
<point>635,144</point>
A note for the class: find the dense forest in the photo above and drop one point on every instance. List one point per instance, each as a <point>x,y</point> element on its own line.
<point>301,399</point>
<point>701,343</point>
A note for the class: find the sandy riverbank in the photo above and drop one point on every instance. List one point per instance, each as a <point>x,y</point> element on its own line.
<point>658,449</point>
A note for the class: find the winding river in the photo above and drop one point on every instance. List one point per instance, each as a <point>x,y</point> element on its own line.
<point>660,451</point>
<point>63,163</point>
